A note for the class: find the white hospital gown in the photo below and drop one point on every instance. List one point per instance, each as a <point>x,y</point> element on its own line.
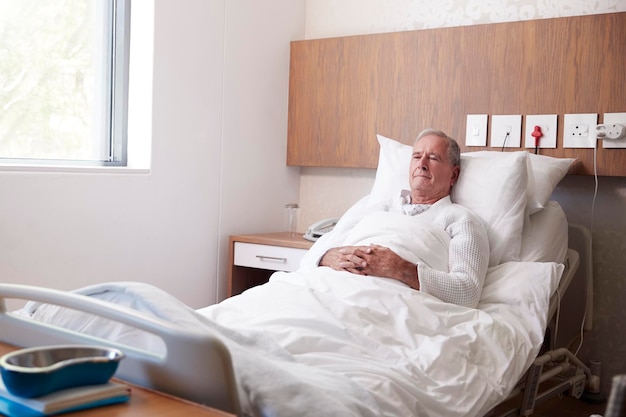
<point>468,261</point>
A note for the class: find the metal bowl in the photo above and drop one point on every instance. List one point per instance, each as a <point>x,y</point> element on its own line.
<point>39,371</point>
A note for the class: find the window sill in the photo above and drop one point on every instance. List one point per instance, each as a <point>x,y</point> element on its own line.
<point>85,169</point>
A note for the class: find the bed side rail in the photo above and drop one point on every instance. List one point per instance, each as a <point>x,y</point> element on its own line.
<point>196,366</point>
<point>552,374</point>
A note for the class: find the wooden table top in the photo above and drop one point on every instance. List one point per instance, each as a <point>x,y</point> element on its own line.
<point>286,239</point>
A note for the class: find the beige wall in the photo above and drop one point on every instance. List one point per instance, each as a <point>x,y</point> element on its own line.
<point>328,192</point>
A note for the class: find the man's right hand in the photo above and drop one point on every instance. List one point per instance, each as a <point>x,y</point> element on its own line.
<point>347,258</point>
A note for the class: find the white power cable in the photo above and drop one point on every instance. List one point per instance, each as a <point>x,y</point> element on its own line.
<point>593,207</point>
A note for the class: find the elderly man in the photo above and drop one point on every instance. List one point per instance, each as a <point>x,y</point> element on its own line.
<point>434,169</point>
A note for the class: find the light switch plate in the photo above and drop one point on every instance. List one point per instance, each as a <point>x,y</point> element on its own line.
<point>476,130</point>
<point>614,118</point>
<point>579,130</point>
<point>506,131</point>
<point>548,124</point>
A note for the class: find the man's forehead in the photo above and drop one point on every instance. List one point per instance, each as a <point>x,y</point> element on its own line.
<point>430,146</point>
<point>428,151</point>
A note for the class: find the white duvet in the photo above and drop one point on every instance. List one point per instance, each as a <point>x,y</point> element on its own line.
<point>323,342</point>
<point>413,354</point>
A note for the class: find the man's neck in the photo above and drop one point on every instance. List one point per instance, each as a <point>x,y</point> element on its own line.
<point>426,199</point>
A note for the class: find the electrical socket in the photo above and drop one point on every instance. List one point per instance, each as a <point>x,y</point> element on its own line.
<point>578,131</point>
<point>614,118</point>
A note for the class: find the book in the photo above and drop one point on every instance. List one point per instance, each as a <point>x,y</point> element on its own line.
<point>71,399</point>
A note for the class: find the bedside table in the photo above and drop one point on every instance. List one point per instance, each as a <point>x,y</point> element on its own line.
<point>254,258</point>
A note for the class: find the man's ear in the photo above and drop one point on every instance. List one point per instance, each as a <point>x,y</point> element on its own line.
<point>455,175</point>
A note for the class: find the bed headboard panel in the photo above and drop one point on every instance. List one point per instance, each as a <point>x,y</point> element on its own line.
<point>343,91</point>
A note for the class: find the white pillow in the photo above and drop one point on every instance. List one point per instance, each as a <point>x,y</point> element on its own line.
<point>543,175</point>
<point>547,172</point>
<point>545,236</point>
<point>392,174</point>
<point>494,188</point>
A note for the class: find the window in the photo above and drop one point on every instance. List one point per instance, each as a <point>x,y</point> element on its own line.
<point>63,81</point>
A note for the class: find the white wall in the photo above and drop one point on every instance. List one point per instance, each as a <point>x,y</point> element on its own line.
<point>256,182</point>
<point>326,18</point>
<point>211,109</point>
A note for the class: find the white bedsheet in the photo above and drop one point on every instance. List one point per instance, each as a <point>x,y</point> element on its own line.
<point>322,342</point>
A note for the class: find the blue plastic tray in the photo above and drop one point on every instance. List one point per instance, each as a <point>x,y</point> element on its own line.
<point>39,371</point>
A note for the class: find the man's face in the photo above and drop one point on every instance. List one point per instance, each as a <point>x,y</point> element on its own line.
<point>431,175</point>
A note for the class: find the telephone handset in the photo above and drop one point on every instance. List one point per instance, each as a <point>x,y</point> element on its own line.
<point>318,229</point>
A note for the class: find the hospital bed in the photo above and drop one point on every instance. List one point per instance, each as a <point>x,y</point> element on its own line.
<point>323,342</point>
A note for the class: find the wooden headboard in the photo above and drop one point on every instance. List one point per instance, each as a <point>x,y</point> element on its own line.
<point>343,91</point>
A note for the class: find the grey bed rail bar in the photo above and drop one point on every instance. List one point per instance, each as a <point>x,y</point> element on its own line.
<point>197,365</point>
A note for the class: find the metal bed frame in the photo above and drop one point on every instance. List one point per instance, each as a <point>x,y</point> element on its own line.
<point>197,365</point>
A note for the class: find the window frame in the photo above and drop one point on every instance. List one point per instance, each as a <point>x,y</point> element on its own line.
<point>120,57</point>
<point>115,139</point>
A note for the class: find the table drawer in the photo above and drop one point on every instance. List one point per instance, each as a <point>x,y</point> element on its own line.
<point>275,258</point>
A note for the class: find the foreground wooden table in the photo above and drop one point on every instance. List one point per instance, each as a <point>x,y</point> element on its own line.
<point>144,402</point>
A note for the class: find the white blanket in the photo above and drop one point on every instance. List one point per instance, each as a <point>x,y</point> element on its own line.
<point>411,237</point>
<point>414,354</point>
<point>323,342</point>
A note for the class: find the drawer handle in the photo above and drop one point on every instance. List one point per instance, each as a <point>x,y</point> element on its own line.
<point>272,258</point>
